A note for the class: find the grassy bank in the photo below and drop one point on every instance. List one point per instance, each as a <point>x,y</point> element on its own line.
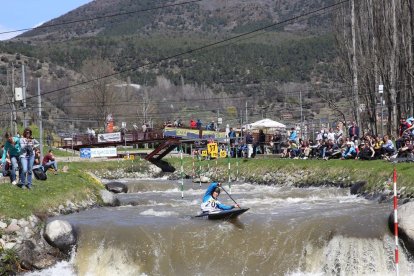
<point>376,173</point>
<point>75,185</point>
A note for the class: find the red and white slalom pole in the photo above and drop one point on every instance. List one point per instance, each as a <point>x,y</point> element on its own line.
<point>396,221</point>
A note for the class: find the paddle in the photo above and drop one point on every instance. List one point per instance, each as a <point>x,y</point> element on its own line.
<point>230,196</point>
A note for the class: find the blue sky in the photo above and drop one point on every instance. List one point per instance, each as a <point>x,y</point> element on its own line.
<point>21,14</point>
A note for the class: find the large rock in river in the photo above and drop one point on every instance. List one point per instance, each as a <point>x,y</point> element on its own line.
<point>116,187</point>
<point>108,198</point>
<point>60,234</point>
<point>405,224</point>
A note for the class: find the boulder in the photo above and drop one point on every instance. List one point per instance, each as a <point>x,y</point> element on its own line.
<point>405,224</point>
<point>356,188</point>
<point>108,198</point>
<point>116,187</point>
<point>202,179</point>
<point>60,234</point>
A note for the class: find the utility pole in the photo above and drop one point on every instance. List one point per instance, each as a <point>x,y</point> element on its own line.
<point>14,129</point>
<point>246,114</point>
<point>381,92</point>
<point>301,115</point>
<point>24,96</point>
<point>39,103</point>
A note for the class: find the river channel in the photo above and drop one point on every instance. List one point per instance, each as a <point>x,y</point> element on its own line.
<point>287,231</point>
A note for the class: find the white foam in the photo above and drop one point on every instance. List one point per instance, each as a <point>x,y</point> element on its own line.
<point>152,212</point>
<point>63,268</point>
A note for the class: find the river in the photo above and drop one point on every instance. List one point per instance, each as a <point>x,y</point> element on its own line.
<point>287,231</point>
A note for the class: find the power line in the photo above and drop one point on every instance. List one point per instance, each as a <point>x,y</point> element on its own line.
<point>44,26</point>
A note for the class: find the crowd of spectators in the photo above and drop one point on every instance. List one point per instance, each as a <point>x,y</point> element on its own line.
<point>329,143</point>
<point>21,159</point>
<point>332,144</point>
<point>193,124</point>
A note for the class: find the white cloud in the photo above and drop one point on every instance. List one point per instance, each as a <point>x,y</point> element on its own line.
<point>5,36</point>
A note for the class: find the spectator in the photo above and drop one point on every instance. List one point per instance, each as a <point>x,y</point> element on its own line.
<point>27,144</point>
<point>193,124</point>
<point>293,135</point>
<point>210,126</point>
<point>49,139</point>
<point>276,140</point>
<point>339,133</point>
<point>331,135</point>
<point>331,150</point>
<point>199,124</point>
<point>293,150</point>
<point>249,143</point>
<point>378,142</point>
<point>37,157</point>
<point>318,135</point>
<point>350,151</point>
<point>49,161</point>
<point>353,132</point>
<point>387,147</point>
<point>12,151</point>
<point>232,137</point>
<point>262,141</point>
<point>366,152</point>
<point>406,151</point>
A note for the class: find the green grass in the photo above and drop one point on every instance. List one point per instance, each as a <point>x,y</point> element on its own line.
<point>75,185</point>
<point>376,173</point>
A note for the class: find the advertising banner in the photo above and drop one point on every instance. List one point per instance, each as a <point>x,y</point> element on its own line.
<point>109,137</point>
<point>193,133</point>
<point>97,152</point>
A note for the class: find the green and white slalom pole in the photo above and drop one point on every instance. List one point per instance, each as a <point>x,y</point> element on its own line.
<point>237,166</point>
<point>182,171</point>
<point>229,165</point>
<point>199,168</point>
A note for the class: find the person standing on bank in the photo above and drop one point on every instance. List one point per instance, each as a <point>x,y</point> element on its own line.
<point>12,148</point>
<point>27,155</point>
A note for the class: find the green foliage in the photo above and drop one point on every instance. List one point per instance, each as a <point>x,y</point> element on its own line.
<point>234,66</point>
<point>9,261</point>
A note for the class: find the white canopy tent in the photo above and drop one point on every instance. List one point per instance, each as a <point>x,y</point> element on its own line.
<point>265,124</point>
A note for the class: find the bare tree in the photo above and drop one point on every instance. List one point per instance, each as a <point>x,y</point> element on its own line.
<point>100,92</point>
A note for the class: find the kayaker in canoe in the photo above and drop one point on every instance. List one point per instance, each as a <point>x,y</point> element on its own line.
<point>210,202</point>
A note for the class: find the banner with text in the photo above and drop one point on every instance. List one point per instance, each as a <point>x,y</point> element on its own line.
<point>97,152</point>
<point>109,137</point>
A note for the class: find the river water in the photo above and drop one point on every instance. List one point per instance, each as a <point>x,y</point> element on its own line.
<point>287,231</point>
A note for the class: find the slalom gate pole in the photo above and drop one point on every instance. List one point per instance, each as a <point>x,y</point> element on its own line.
<point>229,165</point>
<point>237,166</point>
<point>199,168</point>
<point>182,171</point>
<point>397,272</point>
<point>192,153</point>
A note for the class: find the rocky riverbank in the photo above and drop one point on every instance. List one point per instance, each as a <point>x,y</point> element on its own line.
<point>22,243</point>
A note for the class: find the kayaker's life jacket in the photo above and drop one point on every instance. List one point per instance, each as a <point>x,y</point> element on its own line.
<point>210,205</point>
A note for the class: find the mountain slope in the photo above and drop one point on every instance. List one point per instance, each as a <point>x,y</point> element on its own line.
<point>265,66</point>
<point>208,16</point>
